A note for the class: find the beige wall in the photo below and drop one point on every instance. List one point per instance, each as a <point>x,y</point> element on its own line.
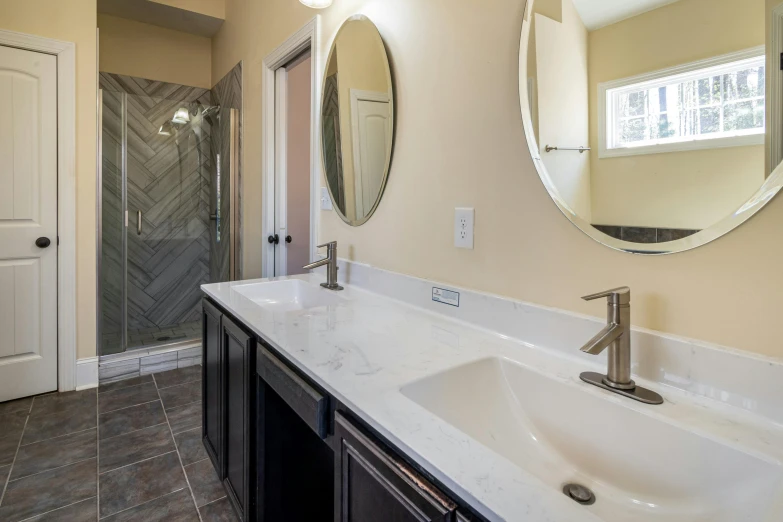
<point>152,52</point>
<point>563,116</point>
<point>460,142</point>
<point>72,21</point>
<point>360,66</point>
<point>693,189</point>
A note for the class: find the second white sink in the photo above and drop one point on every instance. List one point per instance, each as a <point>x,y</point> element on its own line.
<point>289,295</point>
<point>641,468</point>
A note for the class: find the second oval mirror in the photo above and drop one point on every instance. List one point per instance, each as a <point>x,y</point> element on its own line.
<point>654,127</point>
<point>357,120</point>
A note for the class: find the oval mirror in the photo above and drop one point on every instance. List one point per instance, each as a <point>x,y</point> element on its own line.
<point>357,119</point>
<point>650,123</point>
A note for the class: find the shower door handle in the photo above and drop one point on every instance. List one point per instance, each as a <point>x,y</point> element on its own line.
<point>138,222</point>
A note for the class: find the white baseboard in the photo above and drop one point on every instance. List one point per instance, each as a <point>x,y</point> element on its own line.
<point>87,373</point>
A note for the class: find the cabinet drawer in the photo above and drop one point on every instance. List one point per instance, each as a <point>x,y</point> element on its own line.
<point>373,484</point>
<point>308,403</point>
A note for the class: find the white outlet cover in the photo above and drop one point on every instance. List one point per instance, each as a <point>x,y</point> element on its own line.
<point>326,199</point>
<point>464,219</point>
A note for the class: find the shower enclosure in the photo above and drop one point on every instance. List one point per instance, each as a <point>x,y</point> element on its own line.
<point>168,209</point>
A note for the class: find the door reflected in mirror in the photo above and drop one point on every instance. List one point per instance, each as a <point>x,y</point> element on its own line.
<point>650,122</point>
<point>357,118</point>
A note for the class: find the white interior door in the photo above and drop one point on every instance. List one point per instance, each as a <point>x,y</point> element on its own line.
<point>293,220</point>
<point>371,135</point>
<point>28,219</point>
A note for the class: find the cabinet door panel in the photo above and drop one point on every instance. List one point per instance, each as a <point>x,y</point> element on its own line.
<point>212,383</point>
<point>373,485</point>
<point>240,395</point>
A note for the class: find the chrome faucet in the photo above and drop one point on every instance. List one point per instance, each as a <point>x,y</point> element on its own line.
<point>617,337</point>
<point>331,262</point>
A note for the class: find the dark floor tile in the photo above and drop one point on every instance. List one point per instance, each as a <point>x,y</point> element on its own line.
<point>131,419</point>
<point>11,427</point>
<point>84,511</point>
<point>135,446</point>
<point>126,397</point>
<point>191,448</point>
<point>174,507</point>
<point>178,376</point>
<point>3,476</point>
<point>50,490</point>
<point>59,402</point>
<point>125,383</point>
<point>55,453</point>
<point>181,395</point>
<point>62,423</point>
<point>219,511</point>
<point>138,483</point>
<point>185,417</point>
<point>204,482</point>
<point>16,405</point>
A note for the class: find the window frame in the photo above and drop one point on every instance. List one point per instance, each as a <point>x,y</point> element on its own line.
<point>686,71</point>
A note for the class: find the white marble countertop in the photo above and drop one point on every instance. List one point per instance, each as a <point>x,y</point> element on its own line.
<point>365,349</point>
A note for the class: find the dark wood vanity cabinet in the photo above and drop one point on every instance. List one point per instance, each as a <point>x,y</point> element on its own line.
<point>229,406</point>
<point>239,360</point>
<point>287,451</point>
<point>212,385</point>
<point>373,483</point>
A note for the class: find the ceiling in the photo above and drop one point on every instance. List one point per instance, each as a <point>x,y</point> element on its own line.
<point>600,13</point>
<point>156,13</point>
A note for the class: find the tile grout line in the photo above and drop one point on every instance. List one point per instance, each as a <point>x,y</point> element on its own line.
<point>52,469</point>
<point>182,466</point>
<point>126,407</point>
<point>57,509</point>
<point>133,431</point>
<point>142,504</point>
<point>57,437</point>
<point>13,461</point>
<point>137,462</point>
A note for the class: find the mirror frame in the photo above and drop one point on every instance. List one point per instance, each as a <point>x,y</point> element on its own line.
<point>768,190</point>
<point>392,112</point>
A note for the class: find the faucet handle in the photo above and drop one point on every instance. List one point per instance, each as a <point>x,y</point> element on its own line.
<point>329,244</point>
<point>616,296</point>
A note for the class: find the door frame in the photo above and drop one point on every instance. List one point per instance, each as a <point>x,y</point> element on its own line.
<point>304,38</point>
<point>358,95</point>
<point>65,52</point>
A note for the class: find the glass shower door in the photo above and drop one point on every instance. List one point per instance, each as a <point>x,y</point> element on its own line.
<point>157,197</point>
<point>112,283</point>
<point>168,201</point>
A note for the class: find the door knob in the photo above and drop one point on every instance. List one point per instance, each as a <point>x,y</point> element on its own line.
<point>288,239</point>
<point>42,242</point>
<point>274,240</point>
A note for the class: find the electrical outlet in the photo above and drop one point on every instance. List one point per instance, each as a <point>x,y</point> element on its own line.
<point>463,227</point>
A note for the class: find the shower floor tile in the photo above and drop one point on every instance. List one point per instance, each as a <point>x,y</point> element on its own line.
<point>139,461</point>
<point>151,337</point>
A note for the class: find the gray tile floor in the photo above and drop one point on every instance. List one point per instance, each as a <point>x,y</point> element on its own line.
<point>130,450</point>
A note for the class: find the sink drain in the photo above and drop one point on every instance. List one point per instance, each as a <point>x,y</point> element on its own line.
<point>579,493</point>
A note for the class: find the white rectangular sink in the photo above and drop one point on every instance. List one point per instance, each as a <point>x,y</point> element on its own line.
<point>290,295</point>
<point>640,468</point>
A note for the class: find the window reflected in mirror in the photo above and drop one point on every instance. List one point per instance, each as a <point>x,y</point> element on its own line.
<point>649,121</point>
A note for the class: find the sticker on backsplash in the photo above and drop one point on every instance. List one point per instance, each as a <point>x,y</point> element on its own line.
<point>448,297</point>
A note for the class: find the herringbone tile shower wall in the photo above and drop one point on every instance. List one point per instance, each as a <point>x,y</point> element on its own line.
<point>169,180</point>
